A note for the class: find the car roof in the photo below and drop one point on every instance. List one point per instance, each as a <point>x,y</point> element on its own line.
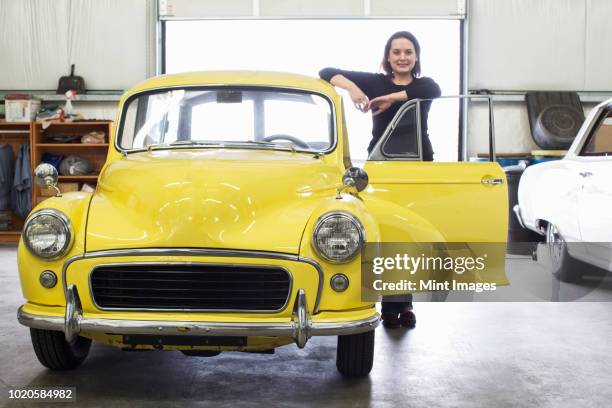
<point>254,78</point>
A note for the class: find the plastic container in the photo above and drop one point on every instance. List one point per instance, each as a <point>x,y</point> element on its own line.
<point>536,160</point>
<point>21,110</point>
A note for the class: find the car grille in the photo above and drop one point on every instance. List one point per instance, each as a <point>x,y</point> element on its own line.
<point>191,286</point>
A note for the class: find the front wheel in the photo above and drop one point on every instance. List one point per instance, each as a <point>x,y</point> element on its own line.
<point>566,268</point>
<point>355,354</point>
<point>54,352</point>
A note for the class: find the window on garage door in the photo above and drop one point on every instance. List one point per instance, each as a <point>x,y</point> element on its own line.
<point>305,46</point>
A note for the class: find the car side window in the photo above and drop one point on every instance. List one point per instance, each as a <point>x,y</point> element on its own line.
<point>403,140</point>
<point>600,141</point>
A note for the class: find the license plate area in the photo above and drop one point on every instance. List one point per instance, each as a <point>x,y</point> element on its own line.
<point>158,341</point>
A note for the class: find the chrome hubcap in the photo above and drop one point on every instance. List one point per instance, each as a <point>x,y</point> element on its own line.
<point>556,244</point>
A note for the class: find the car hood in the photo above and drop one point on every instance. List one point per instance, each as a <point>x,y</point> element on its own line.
<point>256,200</point>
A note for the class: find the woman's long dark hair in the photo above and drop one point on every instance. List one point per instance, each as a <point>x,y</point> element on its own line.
<point>386,66</point>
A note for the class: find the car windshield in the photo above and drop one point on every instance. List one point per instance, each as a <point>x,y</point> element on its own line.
<point>228,117</point>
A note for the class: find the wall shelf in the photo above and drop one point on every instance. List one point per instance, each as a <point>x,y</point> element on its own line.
<point>10,236</point>
<point>51,96</point>
<point>72,145</point>
<point>79,178</point>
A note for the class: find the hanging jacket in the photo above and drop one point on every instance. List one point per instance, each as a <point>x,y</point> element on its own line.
<point>22,183</point>
<point>7,166</point>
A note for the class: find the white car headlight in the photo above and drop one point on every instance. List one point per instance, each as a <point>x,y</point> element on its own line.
<point>338,237</point>
<point>48,234</point>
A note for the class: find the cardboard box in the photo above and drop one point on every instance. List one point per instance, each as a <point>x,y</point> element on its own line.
<point>21,110</point>
<point>63,187</point>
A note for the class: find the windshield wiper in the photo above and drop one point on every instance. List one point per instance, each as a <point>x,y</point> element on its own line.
<point>195,143</point>
<point>152,147</point>
<point>156,146</point>
<point>291,147</point>
<point>288,147</point>
<point>283,146</point>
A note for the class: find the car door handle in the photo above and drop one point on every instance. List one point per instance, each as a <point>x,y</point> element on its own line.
<point>585,173</point>
<point>492,181</point>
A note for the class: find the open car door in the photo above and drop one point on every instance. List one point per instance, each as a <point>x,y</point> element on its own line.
<point>462,201</point>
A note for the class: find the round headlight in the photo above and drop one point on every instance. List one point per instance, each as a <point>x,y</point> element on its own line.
<point>338,237</point>
<point>48,234</point>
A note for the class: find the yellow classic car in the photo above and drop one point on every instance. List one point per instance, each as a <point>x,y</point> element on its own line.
<point>228,217</point>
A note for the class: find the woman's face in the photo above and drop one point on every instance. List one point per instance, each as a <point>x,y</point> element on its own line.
<point>402,56</point>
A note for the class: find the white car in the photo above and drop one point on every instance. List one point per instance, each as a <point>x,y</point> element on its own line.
<point>569,201</point>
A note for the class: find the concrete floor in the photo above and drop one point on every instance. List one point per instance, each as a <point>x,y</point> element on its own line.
<point>494,354</point>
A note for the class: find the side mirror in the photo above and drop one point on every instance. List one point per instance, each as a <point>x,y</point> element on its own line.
<point>45,176</point>
<point>355,177</point>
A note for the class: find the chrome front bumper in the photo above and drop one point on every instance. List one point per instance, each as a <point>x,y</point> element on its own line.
<point>300,328</point>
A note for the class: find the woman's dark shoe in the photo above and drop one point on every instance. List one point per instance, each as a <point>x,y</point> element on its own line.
<point>391,320</point>
<point>407,319</point>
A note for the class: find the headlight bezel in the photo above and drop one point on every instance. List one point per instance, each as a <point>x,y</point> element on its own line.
<point>66,224</point>
<point>322,219</point>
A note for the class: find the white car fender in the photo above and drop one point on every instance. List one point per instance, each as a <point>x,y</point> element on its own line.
<point>547,192</point>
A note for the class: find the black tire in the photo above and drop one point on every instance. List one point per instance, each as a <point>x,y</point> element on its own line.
<point>566,268</point>
<point>557,126</point>
<point>355,354</point>
<point>554,118</point>
<point>55,353</point>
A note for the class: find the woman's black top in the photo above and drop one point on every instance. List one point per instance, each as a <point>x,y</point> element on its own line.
<point>374,85</point>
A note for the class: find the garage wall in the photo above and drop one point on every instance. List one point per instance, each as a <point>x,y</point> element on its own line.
<point>520,45</point>
<point>546,45</point>
<point>514,45</point>
<point>110,41</point>
<point>540,45</point>
<point>512,133</point>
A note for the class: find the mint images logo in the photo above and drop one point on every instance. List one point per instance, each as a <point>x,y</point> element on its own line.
<point>426,285</point>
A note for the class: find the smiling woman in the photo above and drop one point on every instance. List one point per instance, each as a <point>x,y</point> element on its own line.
<point>384,94</point>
